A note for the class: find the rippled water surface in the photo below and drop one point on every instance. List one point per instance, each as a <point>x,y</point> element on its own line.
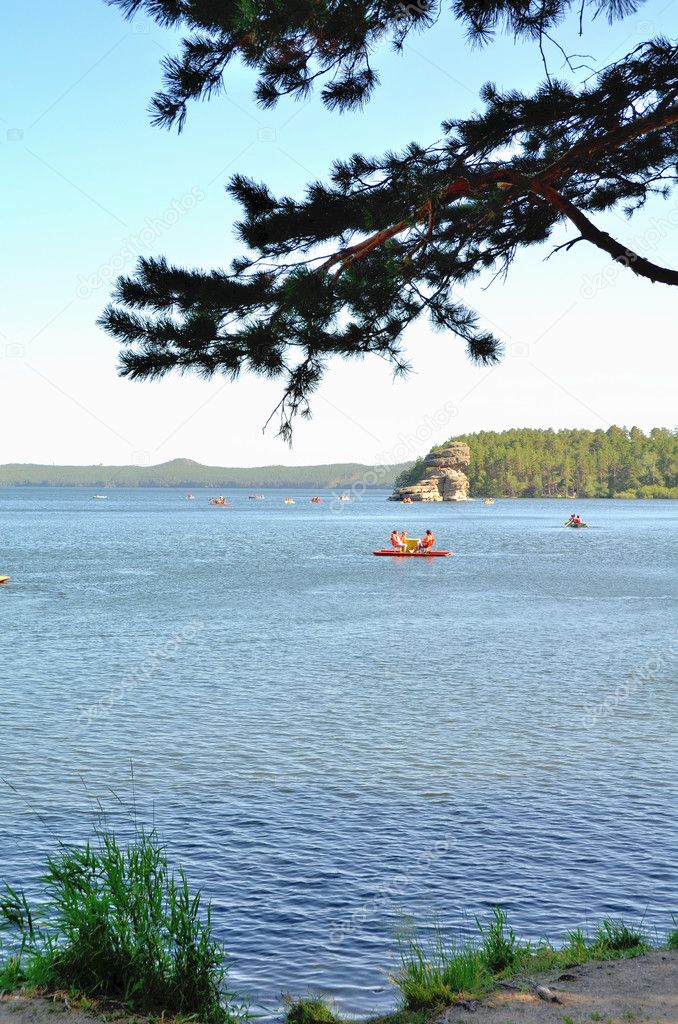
<point>330,741</point>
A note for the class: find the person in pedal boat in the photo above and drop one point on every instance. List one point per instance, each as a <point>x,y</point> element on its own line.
<point>426,542</point>
<point>396,540</point>
<point>571,520</point>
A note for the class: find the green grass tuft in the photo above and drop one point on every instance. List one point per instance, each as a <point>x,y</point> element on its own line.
<point>310,1010</point>
<point>500,947</point>
<point>617,937</point>
<point>11,975</point>
<point>119,925</point>
<point>439,973</point>
<point>577,949</point>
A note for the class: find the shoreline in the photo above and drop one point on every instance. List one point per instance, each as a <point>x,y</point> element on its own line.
<point>117,928</point>
<point>629,989</point>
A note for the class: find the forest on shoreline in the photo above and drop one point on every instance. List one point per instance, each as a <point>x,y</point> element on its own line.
<point>521,462</point>
<point>619,462</point>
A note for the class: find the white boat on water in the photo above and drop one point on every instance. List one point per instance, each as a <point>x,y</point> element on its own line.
<point>99,497</point>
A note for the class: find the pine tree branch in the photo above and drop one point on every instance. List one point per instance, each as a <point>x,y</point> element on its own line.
<point>345,270</point>
<point>638,264</point>
<point>574,158</point>
<point>578,155</point>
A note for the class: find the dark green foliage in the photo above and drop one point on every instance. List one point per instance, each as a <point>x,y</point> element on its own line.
<point>525,463</point>
<point>299,43</point>
<point>119,925</point>
<point>348,267</point>
<point>413,474</point>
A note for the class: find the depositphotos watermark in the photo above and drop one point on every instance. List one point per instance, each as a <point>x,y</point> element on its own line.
<point>406,448</point>
<point>414,10</point>
<point>643,245</point>
<point>152,662</point>
<point>647,674</point>
<point>389,892</point>
<point>134,245</point>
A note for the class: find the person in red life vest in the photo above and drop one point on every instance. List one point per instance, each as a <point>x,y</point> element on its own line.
<point>427,541</point>
<point>398,540</point>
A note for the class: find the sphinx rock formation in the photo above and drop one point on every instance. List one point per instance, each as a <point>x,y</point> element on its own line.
<point>443,477</point>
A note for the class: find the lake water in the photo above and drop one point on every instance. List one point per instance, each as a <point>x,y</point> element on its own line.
<point>331,742</point>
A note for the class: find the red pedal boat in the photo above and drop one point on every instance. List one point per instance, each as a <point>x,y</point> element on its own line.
<point>393,553</point>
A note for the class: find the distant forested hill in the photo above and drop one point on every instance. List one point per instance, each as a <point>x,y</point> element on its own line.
<point>186,473</point>
<point>614,463</point>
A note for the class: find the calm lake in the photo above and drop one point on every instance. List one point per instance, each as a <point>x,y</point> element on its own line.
<point>331,743</point>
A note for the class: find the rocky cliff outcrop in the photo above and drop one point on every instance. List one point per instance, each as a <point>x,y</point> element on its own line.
<point>443,477</point>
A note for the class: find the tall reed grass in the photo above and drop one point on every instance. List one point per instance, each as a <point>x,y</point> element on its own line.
<point>117,924</point>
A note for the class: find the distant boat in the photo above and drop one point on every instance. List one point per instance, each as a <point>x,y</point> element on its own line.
<point>316,501</point>
<point>289,501</point>
<point>4,579</point>
<point>189,497</point>
<point>99,497</point>
<point>219,501</point>
<point>488,501</point>
<point>257,497</point>
<point>344,497</point>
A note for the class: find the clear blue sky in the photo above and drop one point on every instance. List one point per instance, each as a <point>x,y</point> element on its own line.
<point>87,182</point>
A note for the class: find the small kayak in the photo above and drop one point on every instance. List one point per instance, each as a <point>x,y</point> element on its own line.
<point>576,526</point>
<point>4,579</point>
<point>412,554</point>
